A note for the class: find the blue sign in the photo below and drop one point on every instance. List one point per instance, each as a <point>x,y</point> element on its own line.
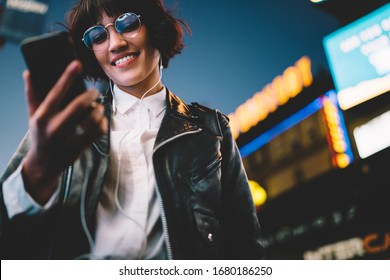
<point>359,56</point>
<point>23,18</point>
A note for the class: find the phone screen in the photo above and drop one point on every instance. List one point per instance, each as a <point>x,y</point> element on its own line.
<point>46,57</point>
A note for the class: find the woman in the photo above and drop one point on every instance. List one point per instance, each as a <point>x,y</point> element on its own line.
<point>138,175</point>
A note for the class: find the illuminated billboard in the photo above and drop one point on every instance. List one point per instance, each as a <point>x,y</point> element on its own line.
<point>23,18</point>
<point>372,136</point>
<point>359,58</point>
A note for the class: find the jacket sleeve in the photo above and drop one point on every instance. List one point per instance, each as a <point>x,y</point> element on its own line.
<point>22,236</point>
<point>11,168</point>
<point>240,223</point>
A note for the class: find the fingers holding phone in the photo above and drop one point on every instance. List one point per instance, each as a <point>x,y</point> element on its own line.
<point>59,108</point>
<point>55,95</point>
<point>51,114</point>
<point>81,121</point>
<point>55,132</point>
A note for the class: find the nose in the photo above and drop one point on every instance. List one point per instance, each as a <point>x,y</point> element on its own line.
<point>116,41</point>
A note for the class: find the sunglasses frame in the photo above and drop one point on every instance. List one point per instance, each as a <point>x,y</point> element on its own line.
<point>114,25</point>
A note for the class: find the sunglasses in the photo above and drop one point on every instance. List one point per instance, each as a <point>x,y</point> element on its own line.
<point>96,37</point>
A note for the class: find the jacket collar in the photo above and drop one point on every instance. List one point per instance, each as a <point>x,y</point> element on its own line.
<point>178,119</point>
<point>122,102</point>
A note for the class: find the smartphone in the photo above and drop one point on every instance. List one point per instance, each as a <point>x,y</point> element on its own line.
<point>46,57</point>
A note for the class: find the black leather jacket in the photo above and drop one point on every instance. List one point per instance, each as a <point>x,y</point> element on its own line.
<point>207,209</point>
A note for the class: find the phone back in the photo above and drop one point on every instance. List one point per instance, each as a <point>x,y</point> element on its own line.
<point>46,57</point>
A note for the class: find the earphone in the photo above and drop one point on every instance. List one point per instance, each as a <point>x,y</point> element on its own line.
<point>120,208</point>
<point>117,180</point>
<point>159,80</point>
<point>146,92</point>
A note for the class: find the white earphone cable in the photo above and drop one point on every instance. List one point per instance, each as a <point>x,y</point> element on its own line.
<point>119,167</point>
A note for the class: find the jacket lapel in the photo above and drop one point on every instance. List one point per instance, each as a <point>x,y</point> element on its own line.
<point>103,148</point>
<point>103,144</point>
<point>177,120</point>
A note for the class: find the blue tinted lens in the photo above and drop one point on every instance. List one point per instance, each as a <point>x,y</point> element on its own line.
<point>126,23</point>
<point>94,36</point>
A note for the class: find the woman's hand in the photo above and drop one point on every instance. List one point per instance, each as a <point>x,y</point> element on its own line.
<point>58,135</point>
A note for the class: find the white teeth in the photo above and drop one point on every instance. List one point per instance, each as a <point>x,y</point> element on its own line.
<point>123,59</point>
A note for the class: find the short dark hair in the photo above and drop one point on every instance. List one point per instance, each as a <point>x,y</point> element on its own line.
<point>164,30</point>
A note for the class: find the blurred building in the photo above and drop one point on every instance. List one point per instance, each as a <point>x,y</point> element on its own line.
<point>320,146</point>
<point>20,19</point>
<point>347,11</point>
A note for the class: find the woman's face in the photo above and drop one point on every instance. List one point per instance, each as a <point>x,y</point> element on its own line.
<point>132,64</point>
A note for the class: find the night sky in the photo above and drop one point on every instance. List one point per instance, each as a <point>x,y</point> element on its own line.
<point>236,48</point>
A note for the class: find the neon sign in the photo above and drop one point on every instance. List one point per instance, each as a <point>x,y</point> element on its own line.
<point>273,95</point>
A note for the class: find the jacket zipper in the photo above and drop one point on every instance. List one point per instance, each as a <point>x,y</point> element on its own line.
<point>163,217</point>
<point>66,186</point>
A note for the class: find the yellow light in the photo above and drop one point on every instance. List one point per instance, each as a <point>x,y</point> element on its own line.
<point>279,89</point>
<point>339,146</point>
<point>233,125</point>
<point>269,99</point>
<point>343,160</point>
<point>244,123</point>
<point>259,194</point>
<point>277,93</point>
<point>304,66</point>
<point>293,80</point>
<point>262,109</point>
<point>329,109</point>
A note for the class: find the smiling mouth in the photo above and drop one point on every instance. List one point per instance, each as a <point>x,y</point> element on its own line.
<point>125,59</point>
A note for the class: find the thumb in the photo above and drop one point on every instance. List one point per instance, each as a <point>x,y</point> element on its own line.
<point>32,100</point>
